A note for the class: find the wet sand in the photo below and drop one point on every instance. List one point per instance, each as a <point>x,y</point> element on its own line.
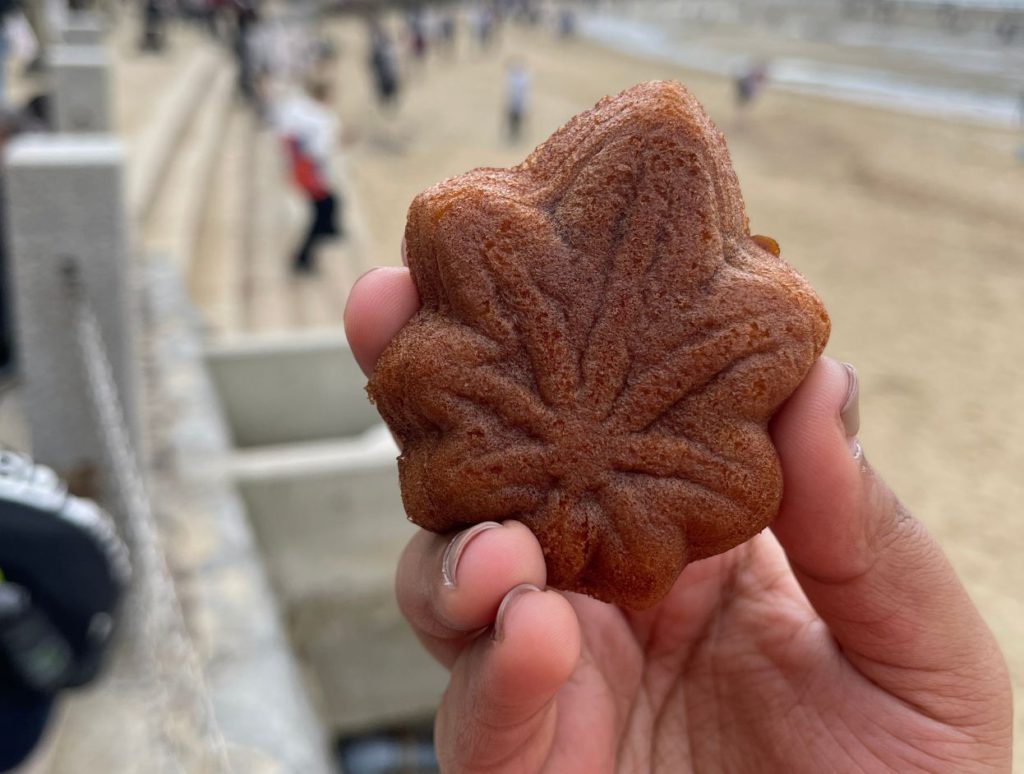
<point>911,229</point>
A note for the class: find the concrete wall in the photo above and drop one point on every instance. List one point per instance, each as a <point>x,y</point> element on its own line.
<point>330,523</point>
<point>277,390</point>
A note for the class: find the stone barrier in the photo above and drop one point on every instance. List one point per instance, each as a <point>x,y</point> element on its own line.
<point>82,28</point>
<point>81,89</point>
<point>65,208</point>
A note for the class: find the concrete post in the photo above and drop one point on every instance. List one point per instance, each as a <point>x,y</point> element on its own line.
<point>82,28</point>
<point>81,94</point>
<point>65,202</point>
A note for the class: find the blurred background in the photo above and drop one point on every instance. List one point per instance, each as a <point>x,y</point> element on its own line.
<point>191,187</point>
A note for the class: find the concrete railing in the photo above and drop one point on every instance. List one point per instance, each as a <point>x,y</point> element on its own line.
<point>65,206</point>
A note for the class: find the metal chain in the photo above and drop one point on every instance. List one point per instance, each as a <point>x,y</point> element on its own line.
<point>157,631</point>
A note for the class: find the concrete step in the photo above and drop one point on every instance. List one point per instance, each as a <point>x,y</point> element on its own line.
<point>269,233</point>
<point>154,144</point>
<point>215,278</point>
<point>255,686</point>
<point>172,227</point>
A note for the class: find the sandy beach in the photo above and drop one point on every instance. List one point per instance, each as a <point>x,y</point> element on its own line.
<point>911,229</point>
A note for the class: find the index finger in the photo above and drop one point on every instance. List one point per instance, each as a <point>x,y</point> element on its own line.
<point>381,302</point>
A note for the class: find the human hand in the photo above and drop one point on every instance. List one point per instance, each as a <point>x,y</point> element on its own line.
<point>841,640</point>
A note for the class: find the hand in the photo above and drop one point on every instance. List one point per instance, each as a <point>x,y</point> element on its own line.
<point>840,641</point>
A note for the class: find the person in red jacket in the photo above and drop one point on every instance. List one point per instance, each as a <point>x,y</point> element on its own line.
<point>311,130</point>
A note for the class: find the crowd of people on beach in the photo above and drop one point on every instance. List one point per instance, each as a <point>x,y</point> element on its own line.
<point>286,71</point>
<point>407,43</point>
<point>285,68</point>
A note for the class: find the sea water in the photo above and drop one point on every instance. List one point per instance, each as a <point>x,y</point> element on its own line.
<point>967,75</point>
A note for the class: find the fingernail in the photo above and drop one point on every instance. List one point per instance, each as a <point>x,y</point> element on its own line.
<point>499,621</point>
<point>453,553</point>
<point>850,412</point>
<point>405,253</point>
<point>383,269</point>
<point>367,273</point>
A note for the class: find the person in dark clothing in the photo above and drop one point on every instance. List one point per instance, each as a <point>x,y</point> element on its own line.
<point>247,21</point>
<point>323,225</point>
<point>383,65</point>
<point>749,84</point>
<point>517,97</point>
<point>152,26</point>
<point>447,33</point>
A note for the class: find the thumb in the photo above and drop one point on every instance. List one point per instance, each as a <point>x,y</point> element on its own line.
<point>500,712</point>
<point>871,570</point>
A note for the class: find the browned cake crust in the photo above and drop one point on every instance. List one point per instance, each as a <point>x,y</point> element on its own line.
<point>600,348</point>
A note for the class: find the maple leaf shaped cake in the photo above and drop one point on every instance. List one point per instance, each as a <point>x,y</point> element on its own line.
<point>600,348</point>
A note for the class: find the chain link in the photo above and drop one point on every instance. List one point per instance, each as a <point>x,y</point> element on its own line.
<point>157,635</point>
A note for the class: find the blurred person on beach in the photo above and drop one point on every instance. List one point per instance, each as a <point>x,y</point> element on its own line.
<point>383,65</point>
<point>288,54</point>
<point>840,639</point>
<point>483,25</point>
<point>517,98</point>
<point>210,11</point>
<point>566,23</point>
<point>246,50</point>
<point>310,130</point>
<point>153,13</point>
<point>18,42</point>
<point>417,31</point>
<point>532,14</point>
<point>37,18</point>
<point>748,87</point>
<point>446,32</point>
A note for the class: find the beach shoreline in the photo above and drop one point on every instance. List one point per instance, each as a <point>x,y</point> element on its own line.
<point>925,71</point>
